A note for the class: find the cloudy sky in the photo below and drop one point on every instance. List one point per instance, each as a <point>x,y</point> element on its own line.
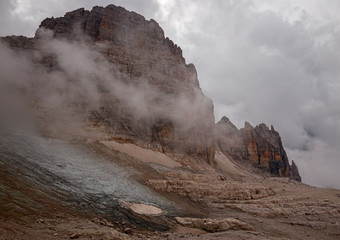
<point>276,62</point>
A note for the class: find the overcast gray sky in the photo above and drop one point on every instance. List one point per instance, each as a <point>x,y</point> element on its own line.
<point>276,62</point>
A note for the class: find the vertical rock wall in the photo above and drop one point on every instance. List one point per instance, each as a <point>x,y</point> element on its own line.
<point>260,145</point>
<point>174,117</point>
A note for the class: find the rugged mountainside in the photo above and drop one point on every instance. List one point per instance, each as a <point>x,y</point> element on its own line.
<point>125,146</point>
<point>176,118</point>
<point>260,145</point>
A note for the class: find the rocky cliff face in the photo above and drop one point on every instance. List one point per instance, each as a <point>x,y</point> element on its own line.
<point>146,94</point>
<point>162,108</point>
<point>260,145</point>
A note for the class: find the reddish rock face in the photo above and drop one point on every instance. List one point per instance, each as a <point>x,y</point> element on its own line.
<point>181,118</point>
<point>260,145</point>
<point>265,148</point>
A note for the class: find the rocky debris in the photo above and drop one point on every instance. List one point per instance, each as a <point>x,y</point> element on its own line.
<point>210,189</point>
<point>214,225</point>
<point>294,203</point>
<point>260,145</point>
<point>289,207</point>
<point>103,222</point>
<point>318,225</point>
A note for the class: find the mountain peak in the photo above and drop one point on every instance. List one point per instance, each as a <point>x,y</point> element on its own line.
<point>260,146</point>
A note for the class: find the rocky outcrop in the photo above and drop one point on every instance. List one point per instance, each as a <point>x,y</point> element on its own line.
<point>265,149</point>
<point>214,225</point>
<point>294,172</point>
<point>229,139</point>
<point>260,145</point>
<point>19,42</point>
<point>175,117</point>
<point>211,190</point>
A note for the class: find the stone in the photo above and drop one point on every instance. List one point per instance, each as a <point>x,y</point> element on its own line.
<point>75,236</point>
<point>209,189</point>
<point>214,225</point>
<point>259,145</point>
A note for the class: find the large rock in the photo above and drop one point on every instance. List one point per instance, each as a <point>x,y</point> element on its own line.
<point>260,145</point>
<point>214,225</point>
<point>174,118</point>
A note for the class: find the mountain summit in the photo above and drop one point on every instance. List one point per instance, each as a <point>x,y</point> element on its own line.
<point>260,146</point>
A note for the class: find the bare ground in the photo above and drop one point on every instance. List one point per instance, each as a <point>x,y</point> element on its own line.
<point>84,190</point>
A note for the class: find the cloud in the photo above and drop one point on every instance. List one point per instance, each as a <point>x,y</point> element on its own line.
<point>10,23</point>
<point>15,71</point>
<point>320,163</point>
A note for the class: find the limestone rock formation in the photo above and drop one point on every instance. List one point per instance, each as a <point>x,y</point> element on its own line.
<point>170,115</point>
<point>294,172</point>
<point>213,225</point>
<point>229,139</point>
<point>260,145</point>
<point>211,190</point>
